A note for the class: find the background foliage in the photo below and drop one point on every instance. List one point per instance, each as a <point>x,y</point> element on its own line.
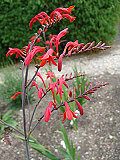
<point>96,20</point>
<point>11,83</point>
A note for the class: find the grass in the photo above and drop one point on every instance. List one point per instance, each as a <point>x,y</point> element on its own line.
<point>11,83</point>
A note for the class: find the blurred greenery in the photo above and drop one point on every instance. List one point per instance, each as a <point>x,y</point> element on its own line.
<point>96,20</point>
<point>11,83</point>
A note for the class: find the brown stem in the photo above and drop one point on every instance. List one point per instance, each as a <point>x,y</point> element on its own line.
<point>4,123</point>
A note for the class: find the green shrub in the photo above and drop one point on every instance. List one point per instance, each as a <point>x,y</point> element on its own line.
<point>10,84</point>
<point>96,20</point>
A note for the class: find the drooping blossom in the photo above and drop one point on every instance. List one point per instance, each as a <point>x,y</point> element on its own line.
<point>65,10</point>
<point>40,92</point>
<point>59,36</point>
<point>14,51</point>
<point>39,75</point>
<point>48,57</point>
<point>52,87</point>
<point>31,54</point>
<point>60,63</point>
<point>79,107</point>
<point>15,95</point>
<point>61,81</point>
<point>68,113</point>
<point>68,17</point>
<point>55,16</point>
<point>42,17</point>
<point>48,111</point>
<point>34,84</point>
<point>86,97</point>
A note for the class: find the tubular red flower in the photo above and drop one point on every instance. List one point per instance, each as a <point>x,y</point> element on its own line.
<point>48,111</point>
<point>79,107</point>
<point>39,75</point>
<point>68,113</point>
<point>60,35</point>
<point>68,17</point>
<point>86,97</point>
<point>48,57</point>
<point>65,10</point>
<point>31,54</point>
<point>42,20</point>
<point>34,84</point>
<point>50,75</point>
<point>60,63</point>
<point>40,92</point>
<point>15,95</point>
<point>52,88</point>
<point>13,51</point>
<point>55,13</point>
<point>69,93</point>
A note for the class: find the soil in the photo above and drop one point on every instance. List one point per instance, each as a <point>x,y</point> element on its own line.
<point>98,134</point>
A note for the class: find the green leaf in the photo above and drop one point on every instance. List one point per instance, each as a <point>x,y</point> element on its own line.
<point>63,152</point>
<point>78,158</point>
<point>44,151</point>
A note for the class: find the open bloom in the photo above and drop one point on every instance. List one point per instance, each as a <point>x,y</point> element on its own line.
<point>13,51</point>
<point>48,57</point>
<point>61,81</point>
<point>48,111</point>
<point>50,75</point>
<point>68,113</point>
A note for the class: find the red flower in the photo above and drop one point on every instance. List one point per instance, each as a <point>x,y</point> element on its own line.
<point>34,84</point>
<point>44,17</point>
<point>68,113</point>
<point>50,75</point>
<point>68,17</point>
<point>13,51</point>
<point>65,10</point>
<point>31,54</point>
<point>48,111</point>
<point>61,81</point>
<point>60,63</point>
<point>48,57</point>
<point>40,92</point>
<point>79,107</point>
<point>15,95</point>
<point>52,88</point>
<point>39,75</point>
<point>70,45</point>
<point>60,35</point>
<point>52,16</point>
<point>86,97</point>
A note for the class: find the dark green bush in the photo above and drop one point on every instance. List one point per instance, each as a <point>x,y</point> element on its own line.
<point>96,20</point>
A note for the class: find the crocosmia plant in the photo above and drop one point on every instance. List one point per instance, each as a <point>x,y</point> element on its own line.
<point>50,54</point>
